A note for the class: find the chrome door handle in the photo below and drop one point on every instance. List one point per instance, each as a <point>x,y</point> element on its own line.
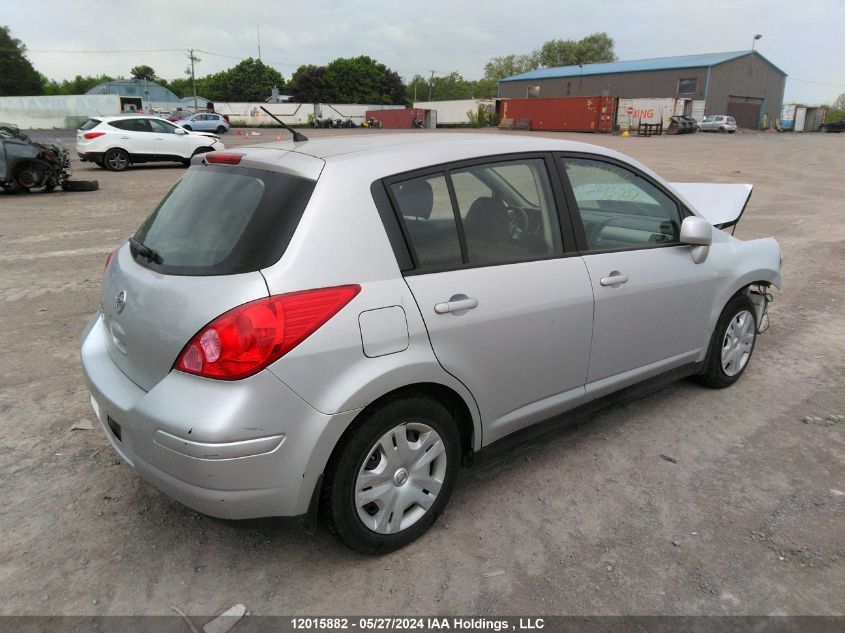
<point>124,138</point>
<point>615,279</point>
<point>456,306</point>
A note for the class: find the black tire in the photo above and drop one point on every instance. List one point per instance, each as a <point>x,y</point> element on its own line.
<point>713,374</point>
<point>221,129</point>
<point>81,185</point>
<point>116,160</point>
<point>197,151</point>
<point>337,505</point>
<point>731,131</point>
<point>722,129</point>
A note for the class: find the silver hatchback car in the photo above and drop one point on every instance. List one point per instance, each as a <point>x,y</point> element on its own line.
<point>336,326</point>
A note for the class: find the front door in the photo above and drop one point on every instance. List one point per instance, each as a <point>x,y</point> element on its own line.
<point>508,313</point>
<point>652,301</point>
<point>169,144</point>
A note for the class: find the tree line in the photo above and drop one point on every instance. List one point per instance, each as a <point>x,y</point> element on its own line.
<point>345,80</point>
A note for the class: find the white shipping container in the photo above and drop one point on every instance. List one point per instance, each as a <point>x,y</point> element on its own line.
<point>632,112</point>
<point>251,114</point>
<point>455,112</point>
<point>800,118</point>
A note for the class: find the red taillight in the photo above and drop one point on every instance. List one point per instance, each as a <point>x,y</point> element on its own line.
<point>245,340</point>
<point>90,135</point>
<point>224,158</point>
<point>109,258</point>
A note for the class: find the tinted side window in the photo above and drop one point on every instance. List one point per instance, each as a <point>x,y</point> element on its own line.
<point>620,209</point>
<point>160,127</point>
<point>131,125</point>
<point>507,210</point>
<point>90,123</point>
<point>430,222</point>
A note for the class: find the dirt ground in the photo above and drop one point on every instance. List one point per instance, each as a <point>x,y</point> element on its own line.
<point>750,520</point>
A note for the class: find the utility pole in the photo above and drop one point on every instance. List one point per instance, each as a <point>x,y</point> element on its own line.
<point>430,85</point>
<point>193,59</point>
<point>258,27</point>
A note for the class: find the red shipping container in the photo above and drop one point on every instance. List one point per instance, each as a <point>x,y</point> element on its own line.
<point>397,119</point>
<point>563,114</point>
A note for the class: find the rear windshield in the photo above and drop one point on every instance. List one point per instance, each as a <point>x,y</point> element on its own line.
<point>89,124</point>
<point>221,220</point>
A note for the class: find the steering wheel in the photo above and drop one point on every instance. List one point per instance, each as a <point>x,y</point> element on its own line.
<point>518,224</point>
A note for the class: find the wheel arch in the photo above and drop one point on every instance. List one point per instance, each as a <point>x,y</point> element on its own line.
<point>452,401</point>
<point>469,429</point>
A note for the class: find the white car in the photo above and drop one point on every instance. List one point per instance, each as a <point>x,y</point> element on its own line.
<point>116,142</point>
<point>718,123</point>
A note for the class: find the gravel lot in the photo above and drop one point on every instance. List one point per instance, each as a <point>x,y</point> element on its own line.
<point>750,520</point>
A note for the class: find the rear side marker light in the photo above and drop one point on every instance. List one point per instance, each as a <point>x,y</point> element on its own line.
<point>246,339</point>
<point>92,135</point>
<point>224,158</point>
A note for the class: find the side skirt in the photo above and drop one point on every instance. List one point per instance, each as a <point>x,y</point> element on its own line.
<point>582,413</point>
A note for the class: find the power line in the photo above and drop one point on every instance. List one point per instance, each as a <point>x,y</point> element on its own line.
<point>821,83</point>
<point>108,52</point>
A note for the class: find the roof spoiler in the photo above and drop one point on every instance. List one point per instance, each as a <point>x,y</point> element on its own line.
<point>720,204</point>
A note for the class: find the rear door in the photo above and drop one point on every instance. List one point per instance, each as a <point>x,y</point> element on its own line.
<point>212,234</point>
<point>135,136</point>
<point>652,301</point>
<point>508,310</point>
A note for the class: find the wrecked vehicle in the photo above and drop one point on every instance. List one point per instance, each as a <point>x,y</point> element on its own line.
<point>25,165</point>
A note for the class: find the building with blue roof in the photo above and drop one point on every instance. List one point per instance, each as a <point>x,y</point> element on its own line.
<point>138,94</point>
<point>742,84</point>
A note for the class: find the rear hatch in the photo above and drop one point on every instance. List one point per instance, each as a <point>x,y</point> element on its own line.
<point>197,256</point>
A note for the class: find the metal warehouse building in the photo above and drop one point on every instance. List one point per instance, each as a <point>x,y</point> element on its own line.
<point>743,84</point>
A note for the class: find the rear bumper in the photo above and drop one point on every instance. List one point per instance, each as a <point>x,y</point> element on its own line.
<point>91,157</point>
<point>235,450</point>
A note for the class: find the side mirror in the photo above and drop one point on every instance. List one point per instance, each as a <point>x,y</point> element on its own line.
<point>697,232</point>
<point>181,130</point>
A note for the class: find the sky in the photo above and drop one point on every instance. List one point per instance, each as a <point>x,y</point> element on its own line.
<point>805,38</point>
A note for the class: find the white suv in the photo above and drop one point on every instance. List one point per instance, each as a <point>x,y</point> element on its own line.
<point>115,142</point>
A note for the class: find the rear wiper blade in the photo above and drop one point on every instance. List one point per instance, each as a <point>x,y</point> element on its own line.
<point>145,251</point>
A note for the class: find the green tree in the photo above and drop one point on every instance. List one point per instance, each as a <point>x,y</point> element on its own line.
<point>17,75</point>
<point>250,80</point>
<point>836,110</point>
<point>592,49</point>
<point>363,80</point>
<point>143,72</point>
<point>79,85</point>
<point>597,47</point>
<point>308,85</point>
<point>509,65</point>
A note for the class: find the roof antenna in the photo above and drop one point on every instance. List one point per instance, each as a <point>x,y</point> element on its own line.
<point>297,136</point>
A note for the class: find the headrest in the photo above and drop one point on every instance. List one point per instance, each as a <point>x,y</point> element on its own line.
<point>487,218</point>
<point>415,198</point>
